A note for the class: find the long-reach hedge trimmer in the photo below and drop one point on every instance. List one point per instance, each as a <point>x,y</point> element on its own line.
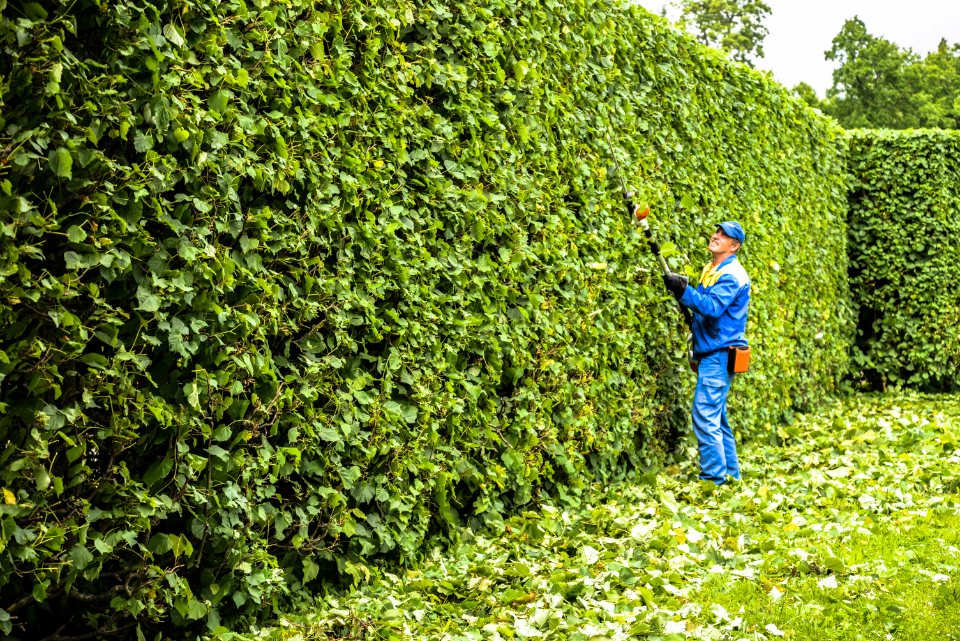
<point>639,217</point>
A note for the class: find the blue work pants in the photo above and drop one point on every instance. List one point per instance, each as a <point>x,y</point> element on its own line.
<point>718,449</point>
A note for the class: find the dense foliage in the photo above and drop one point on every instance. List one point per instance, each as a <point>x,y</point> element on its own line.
<point>903,226</point>
<point>878,84</point>
<point>287,286</point>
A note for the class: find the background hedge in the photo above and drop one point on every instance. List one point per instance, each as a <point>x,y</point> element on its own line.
<point>904,225</point>
<point>290,286</point>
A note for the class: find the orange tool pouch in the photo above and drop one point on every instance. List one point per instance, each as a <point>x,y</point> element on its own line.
<point>738,359</point>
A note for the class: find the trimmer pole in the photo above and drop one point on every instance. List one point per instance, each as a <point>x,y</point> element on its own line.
<point>640,217</point>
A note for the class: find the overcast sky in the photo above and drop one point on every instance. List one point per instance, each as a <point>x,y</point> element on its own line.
<point>802,30</point>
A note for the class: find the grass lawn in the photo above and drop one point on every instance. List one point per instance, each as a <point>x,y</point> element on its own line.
<point>847,529</point>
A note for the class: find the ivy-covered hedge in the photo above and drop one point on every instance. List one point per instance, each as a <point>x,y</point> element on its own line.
<point>903,226</point>
<point>290,286</point>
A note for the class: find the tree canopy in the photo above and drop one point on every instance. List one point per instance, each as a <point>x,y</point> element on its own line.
<point>736,26</point>
<point>878,84</point>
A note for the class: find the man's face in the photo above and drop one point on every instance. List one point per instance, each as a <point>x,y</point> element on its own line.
<point>720,243</point>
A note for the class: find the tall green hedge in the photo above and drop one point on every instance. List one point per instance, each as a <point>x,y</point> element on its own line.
<point>288,286</point>
<point>904,225</point>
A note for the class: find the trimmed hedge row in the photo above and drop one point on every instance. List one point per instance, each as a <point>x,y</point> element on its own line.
<point>290,286</point>
<point>903,226</point>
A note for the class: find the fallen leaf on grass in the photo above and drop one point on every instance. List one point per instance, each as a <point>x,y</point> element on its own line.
<point>829,582</point>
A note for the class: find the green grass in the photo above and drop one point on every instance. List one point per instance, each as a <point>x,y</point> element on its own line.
<point>886,587</point>
<point>847,529</point>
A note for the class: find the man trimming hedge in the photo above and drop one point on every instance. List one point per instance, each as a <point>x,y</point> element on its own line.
<point>719,304</point>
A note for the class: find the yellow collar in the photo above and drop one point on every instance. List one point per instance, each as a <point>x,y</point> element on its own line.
<point>710,274</point>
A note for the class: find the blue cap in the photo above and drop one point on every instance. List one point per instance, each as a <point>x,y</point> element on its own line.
<point>734,230</point>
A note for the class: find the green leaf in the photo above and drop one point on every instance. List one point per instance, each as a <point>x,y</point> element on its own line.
<point>511,595</point>
<point>310,570</point>
<point>219,101</point>
<point>74,260</point>
<point>61,163</point>
<point>349,526</point>
<point>6,626</point>
<point>409,413</point>
<point>102,546</point>
<point>180,546</point>
<point>520,70</point>
<point>75,452</point>
<point>54,77</point>
<point>34,11</point>
<point>512,460</point>
<point>329,434</point>
<point>193,391</point>
<point>148,300</point>
<point>76,234</point>
<point>158,470</point>
<point>362,397</point>
<point>42,479</point>
<point>218,452</point>
<point>161,113</point>
<point>142,141</point>
<point>160,544</point>
<point>96,361</point>
<point>80,557</point>
<point>196,610</point>
<point>39,591</point>
<point>173,35</point>
<point>835,565</point>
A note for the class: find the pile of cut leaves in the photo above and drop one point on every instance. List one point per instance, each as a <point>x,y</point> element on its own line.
<point>847,528</point>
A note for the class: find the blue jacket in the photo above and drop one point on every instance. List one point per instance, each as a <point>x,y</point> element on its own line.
<point>719,305</point>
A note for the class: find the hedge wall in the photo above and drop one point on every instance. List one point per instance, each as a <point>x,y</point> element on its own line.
<point>290,286</point>
<point>903,226</point>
